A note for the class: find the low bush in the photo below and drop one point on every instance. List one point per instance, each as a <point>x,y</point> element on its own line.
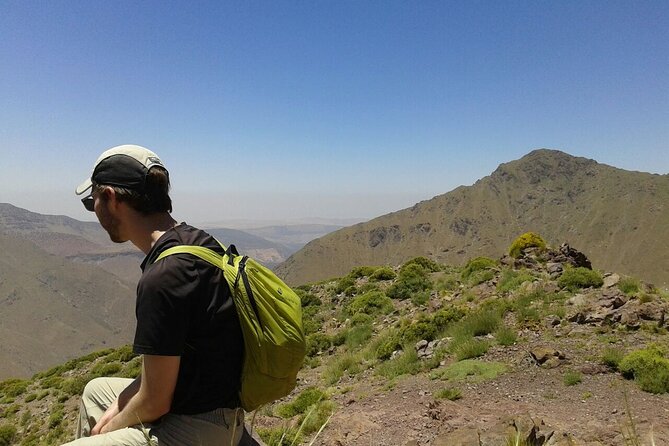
<point>512,279</point>
<point>478,323</point>
<point>571,378</point>
<point>347,362</point>
<point>471,370</point>
<point>506,336</point>
<point>574,279</point>
<point>383,273</point>
<point>362,271</point>
<point>478,264</point>
<point>307,398</point>
<point>446,316</point>
<point>343,284</point>
<point>308,299</point>
<point>361,319</point>
<point>412,279</point>
<point>527,240</point>
<point>407,363</point>
<point>629,285</point>
<point>448,282</point>
<point>449,393</point>
<point>420,298</point>
<point>612,356</point>
<point>649,369</point>
<point>372,303</point>
<point>358,335</point>
<point>13,387</point>
<point>7,434</point>
<point>422,328</point>
<point>470,348</point>
<point>318,342</point>
<point>386,344</point>
<point>424,262</point>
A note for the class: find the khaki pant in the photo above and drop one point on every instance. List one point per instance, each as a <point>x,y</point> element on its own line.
<point>220,427</point>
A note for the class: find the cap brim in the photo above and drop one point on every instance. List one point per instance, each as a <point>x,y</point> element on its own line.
<point>83,187</point>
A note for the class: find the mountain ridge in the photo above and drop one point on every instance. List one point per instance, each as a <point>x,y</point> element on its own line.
<point>562,197</point>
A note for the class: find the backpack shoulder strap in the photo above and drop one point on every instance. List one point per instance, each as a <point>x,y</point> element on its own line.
<point>203,253</point>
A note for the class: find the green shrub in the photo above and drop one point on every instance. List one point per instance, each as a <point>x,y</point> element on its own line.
<point>30,397</point>
<point>527,240</point>
<point>7,434</point>
<point>361,319</point>
<point>105,369</point>
<point>362,271</point>
<point>311,319</point>
<point>318,342</point>
<point>344,283</point>
<point>74,386</point>
<point>123,354</point>
<point>448,282</point>
<point>470,348</point>
<point>422,328</point>
<point>478,323</point>
<point>383,273</point>
<point>629,285</point>
<point>351,291</point>
<point>445,316</point>
<point>478,277</point>
<point>372,303</point>
<point>477,264</point>
<point>406,363</point>
<point>386,344</point>
<point>308,299</point>
<point>420,298</point>
<point>347,362</point>
<point>56,416</point>
<point>512,279</point>
<point>571,378</point>
<point>358,335</point>
<point>316,417</point>
<point>648,367</point>
<point>574,279</point>
<point>612,357</point>
<point>471,370</point>
<point>449,393</point>
<point>424,262</point>
<point>412,279</point>
<point>506,336</point>
<point>307,398</point>
<point>13,387</point>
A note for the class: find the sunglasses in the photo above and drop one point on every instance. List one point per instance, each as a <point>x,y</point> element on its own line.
<point>89,203</point>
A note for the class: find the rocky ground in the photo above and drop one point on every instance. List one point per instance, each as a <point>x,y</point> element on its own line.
<point>531,401</point>
<point>555,388</point>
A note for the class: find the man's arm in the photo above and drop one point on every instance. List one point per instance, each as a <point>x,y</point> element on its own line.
<point>119,404</point>
<point>153,399</point>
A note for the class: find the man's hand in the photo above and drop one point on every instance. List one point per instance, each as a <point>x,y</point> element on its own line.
<point>110,413</point>
<point>153,399</point>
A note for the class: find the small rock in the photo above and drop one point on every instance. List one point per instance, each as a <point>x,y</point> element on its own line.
<point>611,280</point>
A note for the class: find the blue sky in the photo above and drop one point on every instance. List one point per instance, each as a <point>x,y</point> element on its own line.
<point>336,109</point>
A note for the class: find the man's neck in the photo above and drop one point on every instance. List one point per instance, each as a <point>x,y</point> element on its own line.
<point>146,230</point>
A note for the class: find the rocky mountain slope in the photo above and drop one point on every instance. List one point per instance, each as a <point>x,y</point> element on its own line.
<point>535,349</point>
<point>619,215</point>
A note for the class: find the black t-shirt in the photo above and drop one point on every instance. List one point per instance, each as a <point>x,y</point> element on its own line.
<point>184,308</point>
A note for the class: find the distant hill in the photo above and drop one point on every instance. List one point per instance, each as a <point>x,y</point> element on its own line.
<point>621,216</point>
<point>66,289</point>
<point>53,309</point>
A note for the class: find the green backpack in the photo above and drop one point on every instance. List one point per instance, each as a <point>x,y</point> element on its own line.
<point>270,314</point>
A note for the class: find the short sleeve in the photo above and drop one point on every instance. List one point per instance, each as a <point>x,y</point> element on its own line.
<point>164,305</point>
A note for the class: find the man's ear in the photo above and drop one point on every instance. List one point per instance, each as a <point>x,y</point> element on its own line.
<point>108,195</point>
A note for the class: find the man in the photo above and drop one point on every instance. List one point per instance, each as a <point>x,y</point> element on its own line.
<point>187,327</point>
